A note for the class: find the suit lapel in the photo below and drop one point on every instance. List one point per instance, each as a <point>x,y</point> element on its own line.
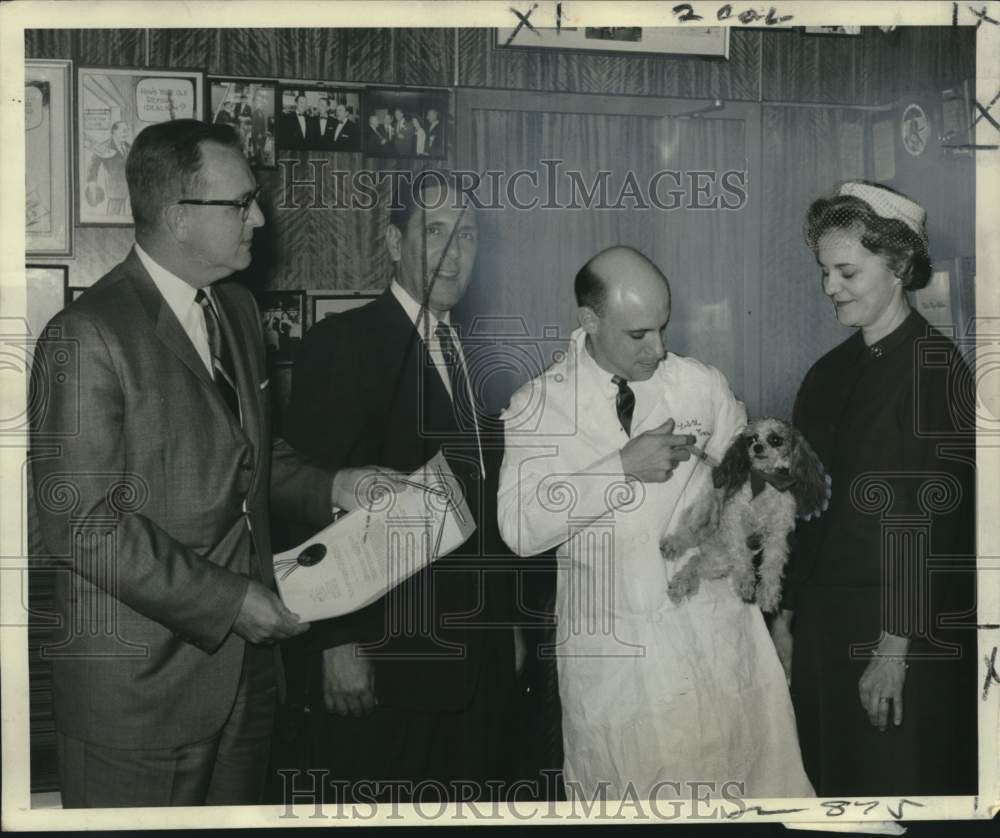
<point>242,353</point>
<point>166,325</point>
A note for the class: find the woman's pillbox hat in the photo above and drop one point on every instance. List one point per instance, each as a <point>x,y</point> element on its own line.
<point>889,204</point>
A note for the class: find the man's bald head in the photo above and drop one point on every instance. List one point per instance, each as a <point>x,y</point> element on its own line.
<point>624,307</point>
<point>616,272</point>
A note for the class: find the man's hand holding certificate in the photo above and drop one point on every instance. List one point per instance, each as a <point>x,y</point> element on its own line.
<point>391,536</point>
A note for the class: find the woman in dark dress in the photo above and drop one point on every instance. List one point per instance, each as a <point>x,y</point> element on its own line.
<point>877,626</point>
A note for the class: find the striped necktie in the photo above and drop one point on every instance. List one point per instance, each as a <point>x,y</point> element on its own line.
<point>624,403</point>
<point>461,394</point>
<point>222,362</point>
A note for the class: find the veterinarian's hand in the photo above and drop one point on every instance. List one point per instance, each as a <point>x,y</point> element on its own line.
<point>348,681</point>
<point>652,456</point>
<point>352,487</point>
<point>881,685</point>
<point>781,635</point>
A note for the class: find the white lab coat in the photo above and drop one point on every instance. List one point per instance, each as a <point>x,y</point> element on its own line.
<point>653,694</point>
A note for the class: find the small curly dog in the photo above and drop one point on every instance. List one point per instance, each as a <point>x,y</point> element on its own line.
<point>768,476</point>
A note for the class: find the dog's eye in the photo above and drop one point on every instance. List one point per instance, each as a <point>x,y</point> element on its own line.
<point>775,441</point>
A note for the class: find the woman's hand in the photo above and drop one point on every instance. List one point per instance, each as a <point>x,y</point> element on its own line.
<point>881,685</point>
<point>781,635</point>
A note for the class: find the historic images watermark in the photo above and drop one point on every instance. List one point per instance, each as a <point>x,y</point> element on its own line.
<point>307,185</point>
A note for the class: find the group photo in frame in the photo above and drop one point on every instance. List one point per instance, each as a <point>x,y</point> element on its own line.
<point>317,116</point>
<point>48,110</point>
<point>328,304</point>
<point>406,123</point>
<point>113,105</point>
<point>282,317</point>
<point>249,106</point>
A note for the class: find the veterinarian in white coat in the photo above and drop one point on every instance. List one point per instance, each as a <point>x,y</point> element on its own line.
<point>655,696</point>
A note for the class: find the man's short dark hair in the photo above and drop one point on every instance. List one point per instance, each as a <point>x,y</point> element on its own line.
<point>165,162</point>
<point>590,290</point>
<point>406,191</point>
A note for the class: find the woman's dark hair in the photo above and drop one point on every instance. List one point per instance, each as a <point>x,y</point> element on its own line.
<point>904,250</point>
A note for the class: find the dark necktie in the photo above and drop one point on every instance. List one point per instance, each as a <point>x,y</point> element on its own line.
<point>222,362</point>
<point>624,403</point>
<point>465,411</point>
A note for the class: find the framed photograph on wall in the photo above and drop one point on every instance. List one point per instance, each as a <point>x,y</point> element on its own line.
<point>712,41</point>
<point>319,116</point>
<point>250,106</point>
<point>48,120</point>
<point>282,315</point>
<point>46,294</point>
<point>406,123</point>
<point>113,105</point>
<point>324,305</point>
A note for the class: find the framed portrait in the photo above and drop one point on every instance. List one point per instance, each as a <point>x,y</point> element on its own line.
<point>319,116</point>
<point>282,315</point>
<point>710,41</point>
<point>250,106</point>
<point>73,292</point>
<point>325,305</point>
<point>406,123</point>
<point>832,30</point>
<point>45,294</point>
<point>48,216</point>
<point>113,105</point>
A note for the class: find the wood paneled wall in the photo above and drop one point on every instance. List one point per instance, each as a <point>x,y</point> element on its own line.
<point>335,249</point>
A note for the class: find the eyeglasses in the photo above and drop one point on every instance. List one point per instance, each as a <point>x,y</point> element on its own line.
<point>244,205</point>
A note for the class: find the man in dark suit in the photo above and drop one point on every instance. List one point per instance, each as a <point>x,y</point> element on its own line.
<point>433,145</point>
<point>416,685</point>
<point>345,131</point>
<point>377,136</point>
<point>153,473</point>
<point>298,127</point>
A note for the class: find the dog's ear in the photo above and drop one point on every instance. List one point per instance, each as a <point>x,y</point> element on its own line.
<point>812,485</point>
<point>734,469</point>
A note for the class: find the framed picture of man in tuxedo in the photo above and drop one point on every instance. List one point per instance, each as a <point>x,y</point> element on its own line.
<point>113,104</point>
<point>282,316</point>
<point>250,106</point>
<point>406,123</point>
<point>317,116</point>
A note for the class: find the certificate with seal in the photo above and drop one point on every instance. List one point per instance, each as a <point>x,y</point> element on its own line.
<point>369,551</point>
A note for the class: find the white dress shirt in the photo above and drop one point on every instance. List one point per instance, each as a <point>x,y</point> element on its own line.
<point>425,322</point>
<point>180,297</point>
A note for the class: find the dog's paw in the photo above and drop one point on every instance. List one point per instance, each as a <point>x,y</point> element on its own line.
<point>670,549</point>
<point>746,586</point>
<point>768,598</point>
<point>684,584</point>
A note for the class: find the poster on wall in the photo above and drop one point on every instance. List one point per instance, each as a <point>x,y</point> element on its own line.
<point>46,296</point>
<point>249,106</point>
<point>327,305</point>
<point>650,40</point>
<point>406,123</point>
<point>319,116</point>
<point>113,105</point>
<point>48,225</point>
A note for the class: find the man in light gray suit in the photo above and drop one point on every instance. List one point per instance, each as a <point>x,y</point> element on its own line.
<point>152,475</point>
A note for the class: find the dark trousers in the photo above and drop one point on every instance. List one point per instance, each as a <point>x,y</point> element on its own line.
<point>226,769</point>
<point>400,754</point>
